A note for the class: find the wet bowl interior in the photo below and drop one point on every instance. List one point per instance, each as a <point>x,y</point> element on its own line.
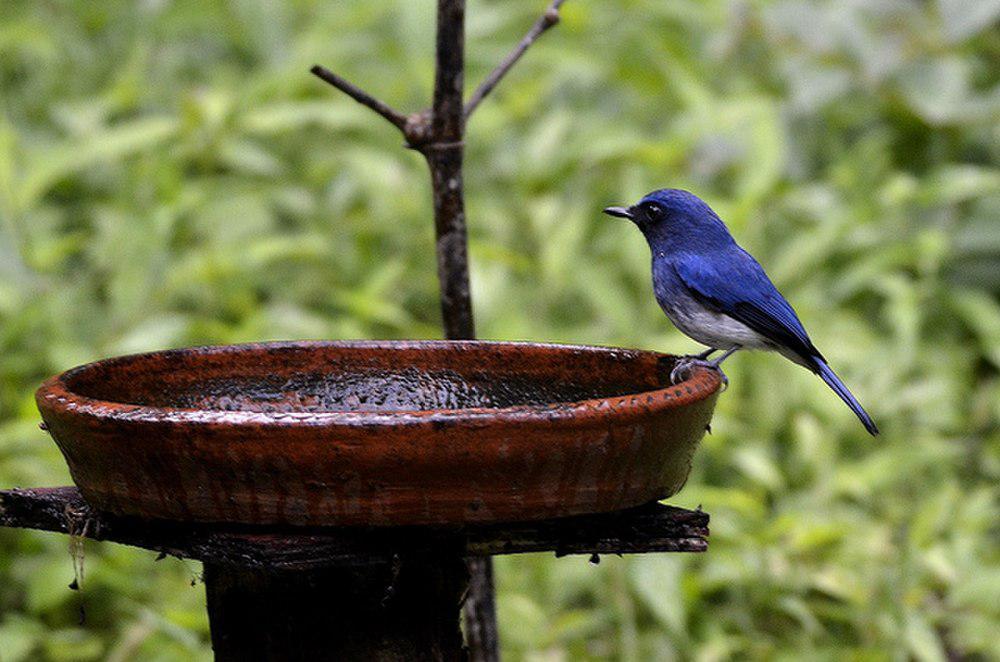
<point>377,433</point>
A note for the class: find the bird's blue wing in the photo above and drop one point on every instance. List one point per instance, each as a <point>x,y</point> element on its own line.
<point>734,283</point>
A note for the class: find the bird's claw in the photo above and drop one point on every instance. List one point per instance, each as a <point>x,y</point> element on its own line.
<point>725,380</point>
<point>682,369</point>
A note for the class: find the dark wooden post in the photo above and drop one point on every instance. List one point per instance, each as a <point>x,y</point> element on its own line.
<point>401,611</point>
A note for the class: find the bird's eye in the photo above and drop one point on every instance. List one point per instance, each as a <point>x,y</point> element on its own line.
<point>653,209</point>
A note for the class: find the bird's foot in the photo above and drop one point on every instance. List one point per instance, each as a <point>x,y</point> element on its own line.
<point>682,369</point>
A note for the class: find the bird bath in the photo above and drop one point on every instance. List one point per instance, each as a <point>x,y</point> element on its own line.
<point>339,493</point>
<point>377,433</point>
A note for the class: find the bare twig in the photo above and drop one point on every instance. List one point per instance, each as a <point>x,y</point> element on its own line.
<point>362,97</point>
<point>544,22</point>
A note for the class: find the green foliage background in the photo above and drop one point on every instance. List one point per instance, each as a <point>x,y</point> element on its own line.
<point>171,175</point>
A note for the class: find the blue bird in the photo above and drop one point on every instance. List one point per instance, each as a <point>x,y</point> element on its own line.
<point>717,293</point>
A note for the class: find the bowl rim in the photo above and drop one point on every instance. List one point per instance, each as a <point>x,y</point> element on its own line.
<point>55,397</point>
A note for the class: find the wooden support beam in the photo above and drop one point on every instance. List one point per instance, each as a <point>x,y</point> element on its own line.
<point>650,528</point>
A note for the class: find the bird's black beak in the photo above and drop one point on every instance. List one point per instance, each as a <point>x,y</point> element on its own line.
<point>620,212</point>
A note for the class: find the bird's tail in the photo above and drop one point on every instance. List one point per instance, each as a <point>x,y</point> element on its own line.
<point>831,379</point>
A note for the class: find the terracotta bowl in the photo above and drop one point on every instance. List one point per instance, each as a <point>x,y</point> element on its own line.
<point>377,433</point>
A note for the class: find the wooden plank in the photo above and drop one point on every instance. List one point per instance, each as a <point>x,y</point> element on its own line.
<point>650,528</point>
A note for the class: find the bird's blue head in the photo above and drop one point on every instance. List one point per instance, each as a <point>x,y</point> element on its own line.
<point>672,216</point>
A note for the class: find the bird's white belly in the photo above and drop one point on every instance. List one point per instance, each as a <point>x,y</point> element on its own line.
<point>713,329</point>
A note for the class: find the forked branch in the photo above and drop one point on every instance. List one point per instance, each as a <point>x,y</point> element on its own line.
<point>547,20</point>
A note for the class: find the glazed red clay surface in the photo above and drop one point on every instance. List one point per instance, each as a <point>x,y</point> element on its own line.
<point>377,433</point>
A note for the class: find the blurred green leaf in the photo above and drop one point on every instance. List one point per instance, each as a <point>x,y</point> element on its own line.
<point>963,19</point>
<point>982,314</point>
<point>19,638</point>
<point>47,166</point>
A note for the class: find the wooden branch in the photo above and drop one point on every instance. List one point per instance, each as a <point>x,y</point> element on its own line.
<point>444,158</point>
<point>449,76</point>
<point>650,528</point>
<point>362,97</point>
<point>547,20</point>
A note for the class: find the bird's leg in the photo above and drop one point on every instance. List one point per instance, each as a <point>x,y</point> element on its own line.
<point>717,362</point>
<point>707,353</point>
<point>729,352</point>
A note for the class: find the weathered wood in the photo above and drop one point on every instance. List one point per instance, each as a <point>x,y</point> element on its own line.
<point>650,528</point>
<point>479,612</point>
<point>401,610</point>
